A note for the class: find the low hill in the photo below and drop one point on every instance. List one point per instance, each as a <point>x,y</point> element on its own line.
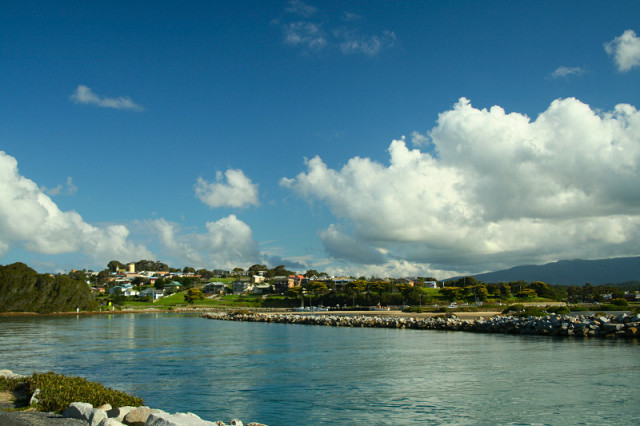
<point>24,290</point>
<point>571,272</point>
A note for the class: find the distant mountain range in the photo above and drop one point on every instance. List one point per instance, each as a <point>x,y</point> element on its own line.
<point>571,272</point>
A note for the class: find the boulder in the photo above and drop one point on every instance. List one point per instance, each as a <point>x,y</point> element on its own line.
<point>612,327</point>
<point>97,417</point>
<point>632,332</point>
<point>105,407</point>
<point>178,419</point>
<point>118,413</point>
<point>110,422</point>
<point>79,410</point>
<point>137,417</point>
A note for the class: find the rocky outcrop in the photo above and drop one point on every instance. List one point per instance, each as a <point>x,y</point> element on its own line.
<point>138,416</point>
<point>611,326</point>
<point>106,415</point>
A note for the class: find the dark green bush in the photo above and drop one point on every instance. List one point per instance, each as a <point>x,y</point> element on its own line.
<point>513,309</point>
<point>560,310</point>
<point>522,311</point>
<point>58,391</point>
<point>620,302</point>
<point>413,309</point>
<point>578,308</point>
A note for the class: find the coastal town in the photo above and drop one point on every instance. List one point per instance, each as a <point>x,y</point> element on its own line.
<point>155,282</point>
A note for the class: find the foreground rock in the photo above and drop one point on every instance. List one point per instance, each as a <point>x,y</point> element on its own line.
<point>610,326</point>
<point>139,416</point>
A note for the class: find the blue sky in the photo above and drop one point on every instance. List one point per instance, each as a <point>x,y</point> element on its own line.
<point>360,138</point>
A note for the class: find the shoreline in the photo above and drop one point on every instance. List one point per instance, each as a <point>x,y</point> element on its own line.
<point>186,310</point>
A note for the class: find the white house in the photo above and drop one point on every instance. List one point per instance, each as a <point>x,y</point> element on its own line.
<point>155,294</point>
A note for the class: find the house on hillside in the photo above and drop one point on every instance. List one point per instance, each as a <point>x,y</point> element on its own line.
<point>241,286</point>
<point>262,289</point>
<point>155,294</point>
<point>125,290</point>
<point>215,287</point>
<point>282,284</point>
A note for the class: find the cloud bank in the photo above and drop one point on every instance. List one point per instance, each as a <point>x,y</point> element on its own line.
<point>238,191</point>
<point>500,190</point>
<point>625,50</point>
<point>30,219</point>
<point>84,95</point>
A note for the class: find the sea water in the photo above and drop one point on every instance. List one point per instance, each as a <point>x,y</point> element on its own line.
<point>282,374</point>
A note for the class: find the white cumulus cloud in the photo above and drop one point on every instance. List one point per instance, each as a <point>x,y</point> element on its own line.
<point>499,190</point>
<point>227,243</point>
<point>238,191</point>
<point>84,95</point>
<point>625,50</point>
<point>30,219</point>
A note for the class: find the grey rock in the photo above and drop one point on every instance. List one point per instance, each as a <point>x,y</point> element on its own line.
<point>79,410</point>
<point>110,422</point>
<point>118,413</point>
<point>178,419</point>
<point>612,327</point>
<point>97,417</point>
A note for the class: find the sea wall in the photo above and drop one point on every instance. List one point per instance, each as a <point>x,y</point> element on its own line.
<point>610,326</point>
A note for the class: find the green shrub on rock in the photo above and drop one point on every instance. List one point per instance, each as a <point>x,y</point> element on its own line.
<point>58,391</point>
<point>512,309</point>
<point>560,310</point>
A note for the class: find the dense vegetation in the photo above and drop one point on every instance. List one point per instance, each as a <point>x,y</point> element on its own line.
<point>58,391</point>
<point>24,290</point>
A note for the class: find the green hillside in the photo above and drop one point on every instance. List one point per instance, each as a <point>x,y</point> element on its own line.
<point>24,290</point>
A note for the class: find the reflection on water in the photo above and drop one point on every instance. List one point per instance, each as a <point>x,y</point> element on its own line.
<point>282,374</point>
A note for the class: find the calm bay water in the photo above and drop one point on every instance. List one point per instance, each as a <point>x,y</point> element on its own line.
<point>282,374</point>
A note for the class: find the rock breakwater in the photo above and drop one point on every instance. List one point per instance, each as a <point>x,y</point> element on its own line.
<point>610,326</point>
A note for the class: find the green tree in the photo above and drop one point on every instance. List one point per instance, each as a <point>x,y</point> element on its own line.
<point>257,268</point>
<point>526,293</point>
<point>451,293</point>
<point>541,289</point>
<point>317,287</point>
<point>204,274</point>
<point>278,271</point>
<point>480,292</point>
<point>139,281</point>
<point>114,265</point>
<point>159,284</point>
<point>192,295</point>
